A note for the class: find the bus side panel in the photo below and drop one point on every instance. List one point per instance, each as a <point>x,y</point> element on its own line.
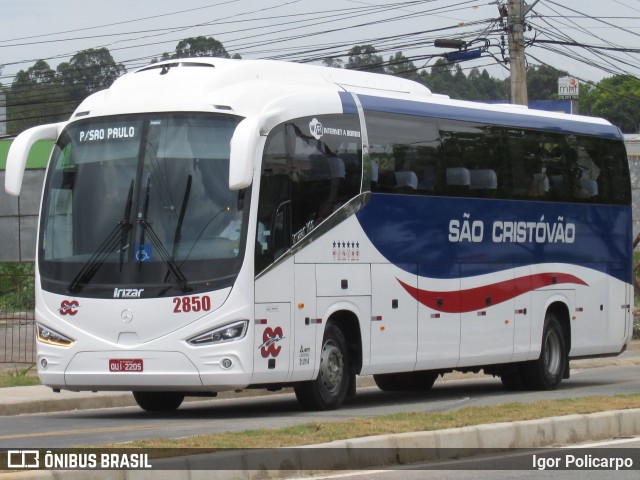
<point>272,352</point>
<point>305,326</point>
<point>619,308</point>
<point>272,355</point>
<point>522,317</point>
<point>439,326</point>
<point>487,326</point>
<point>589,318</point>
<point>394,315</point>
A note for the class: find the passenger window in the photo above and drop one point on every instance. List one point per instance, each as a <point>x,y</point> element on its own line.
<point>404,154</point>
<point>311,167</point>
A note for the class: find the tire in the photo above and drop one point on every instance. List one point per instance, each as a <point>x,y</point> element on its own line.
<point>387,382</point>
<point>420,381</point>
<point>547,372</point>
<point>159,401</point>
<point>329,390</point>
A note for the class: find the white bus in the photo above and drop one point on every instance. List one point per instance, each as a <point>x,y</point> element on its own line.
<point>213,224</point>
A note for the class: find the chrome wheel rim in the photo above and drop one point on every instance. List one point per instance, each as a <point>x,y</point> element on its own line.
<point>552,353</point>
<point>331,366</point>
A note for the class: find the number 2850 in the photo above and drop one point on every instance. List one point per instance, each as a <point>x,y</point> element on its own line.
<point>196,303</point>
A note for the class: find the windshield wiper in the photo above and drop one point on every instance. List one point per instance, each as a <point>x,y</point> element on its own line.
<point>147,228</point>
<point>183,210</point>
<point>127,226</point>
<point>98,258</point>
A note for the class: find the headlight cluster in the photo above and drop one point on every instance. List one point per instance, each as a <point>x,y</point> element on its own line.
<point>47,335</point>
<point>226,333</point>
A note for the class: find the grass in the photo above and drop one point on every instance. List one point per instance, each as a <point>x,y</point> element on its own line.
<point>19,377</point>
<point>314,433</point>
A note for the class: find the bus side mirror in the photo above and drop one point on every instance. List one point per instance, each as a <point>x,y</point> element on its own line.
<point>19,153</point>
<point>243,152</point>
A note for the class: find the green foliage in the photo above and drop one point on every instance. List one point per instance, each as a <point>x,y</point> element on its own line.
<point>615,98</point>
<point>445,78</point>
<point>41,95</point>
<point>88,71</point>
<point>542,82</point>
<point>16,287</point>
<point>19,377</point>
<point>199,47</point>
<point>364,57</point>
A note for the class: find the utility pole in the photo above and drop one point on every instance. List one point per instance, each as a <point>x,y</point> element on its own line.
<point>515,25</point>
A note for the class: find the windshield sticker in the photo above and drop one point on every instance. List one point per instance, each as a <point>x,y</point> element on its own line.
<point>111,133</point>
<point>144,252</point>
<point>318,130</point>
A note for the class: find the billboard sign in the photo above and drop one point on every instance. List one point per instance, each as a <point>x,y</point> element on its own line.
<point>568,88</point>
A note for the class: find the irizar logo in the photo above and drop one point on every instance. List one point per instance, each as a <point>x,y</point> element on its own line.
<point>315,127</point>
<point>127,292</point>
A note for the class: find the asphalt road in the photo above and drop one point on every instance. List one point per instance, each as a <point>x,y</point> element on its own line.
<point>120,425</point>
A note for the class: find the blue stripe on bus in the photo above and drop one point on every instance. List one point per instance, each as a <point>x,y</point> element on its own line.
<point>348,103</point>
<point>487,116</point>
<point>414,233</point>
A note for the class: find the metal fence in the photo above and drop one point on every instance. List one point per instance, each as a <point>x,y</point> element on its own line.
<point>17,322</point>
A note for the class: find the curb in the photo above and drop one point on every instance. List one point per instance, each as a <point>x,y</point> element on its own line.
<point>379,451</point>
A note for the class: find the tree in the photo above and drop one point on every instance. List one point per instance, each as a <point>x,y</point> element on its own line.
<point>200,47</point>
<point>441,77</point>
<point>542,82</point>
<point>34,98</point>
<point>401,66</point>
<point>484,88</point>
<point>364,57</point>
<point>42,95</point>
<point>89,71</point>
<point>333,62</point>
<point>615,98</point>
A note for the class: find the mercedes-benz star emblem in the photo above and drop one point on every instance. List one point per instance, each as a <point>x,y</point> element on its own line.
<point>127,316</point>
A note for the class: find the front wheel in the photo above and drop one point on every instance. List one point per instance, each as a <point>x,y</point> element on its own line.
<point>159,401</point>
<point>329,390</point>
<point>547,371</point>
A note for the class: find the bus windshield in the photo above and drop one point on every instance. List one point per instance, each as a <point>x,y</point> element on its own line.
<point>142,201</point>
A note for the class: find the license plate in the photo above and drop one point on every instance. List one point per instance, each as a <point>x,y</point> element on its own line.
<point>125,365</point>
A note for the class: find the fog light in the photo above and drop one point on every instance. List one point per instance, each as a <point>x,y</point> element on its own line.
<point>226,363</point>
<point>44,363</point>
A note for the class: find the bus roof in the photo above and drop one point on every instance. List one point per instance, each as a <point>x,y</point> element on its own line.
<point>250,87</point>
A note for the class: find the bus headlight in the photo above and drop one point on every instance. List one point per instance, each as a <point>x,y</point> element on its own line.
<point>226,333</point>
<point>47,335</point>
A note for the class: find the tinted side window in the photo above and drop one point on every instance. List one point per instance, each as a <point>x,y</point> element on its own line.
<point>311,167</point>
<point>405,154</point>
<point>426,156</point>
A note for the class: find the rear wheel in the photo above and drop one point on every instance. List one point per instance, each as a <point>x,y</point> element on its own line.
<point>547,371</point>
<point>329,390</point>
<point>159,401</point>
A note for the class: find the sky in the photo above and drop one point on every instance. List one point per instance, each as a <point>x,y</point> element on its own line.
<point>304,30</point>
